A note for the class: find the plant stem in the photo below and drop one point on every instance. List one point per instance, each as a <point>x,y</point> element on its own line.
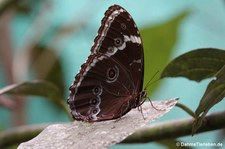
<point>186,109</point>
<point>176,128</point>
<point>19,134</point>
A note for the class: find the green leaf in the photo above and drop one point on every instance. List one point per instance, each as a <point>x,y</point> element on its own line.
<point>38,88</point>
<point>214,93</point>
<point>196,65</point>
<point>46,64</point>
<point>158,44</point>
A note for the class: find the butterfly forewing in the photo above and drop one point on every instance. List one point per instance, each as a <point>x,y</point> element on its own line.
<point>110,81</point>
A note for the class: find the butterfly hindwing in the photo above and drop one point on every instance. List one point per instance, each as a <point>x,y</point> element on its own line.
<point>104,84</point>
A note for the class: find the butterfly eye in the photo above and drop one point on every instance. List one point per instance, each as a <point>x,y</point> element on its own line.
<point>118,42</point>
<point>123,26</point>
<point>97,90</point>
<point>94,101</point>
<point>95,111</point>
<point>110,49</point>
<point>112,74</point>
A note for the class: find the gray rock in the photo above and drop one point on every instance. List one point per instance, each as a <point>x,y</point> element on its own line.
<point>98,135</point>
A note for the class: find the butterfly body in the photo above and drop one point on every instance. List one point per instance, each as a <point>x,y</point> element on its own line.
<point>109,83</point>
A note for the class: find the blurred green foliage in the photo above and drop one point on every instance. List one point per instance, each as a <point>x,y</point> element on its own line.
<point>159,42</point>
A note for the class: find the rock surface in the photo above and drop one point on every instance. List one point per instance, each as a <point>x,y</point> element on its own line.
<point>98,135</point>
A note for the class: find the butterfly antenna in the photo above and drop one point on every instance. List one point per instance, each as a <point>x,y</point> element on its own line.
<point>149,82</point>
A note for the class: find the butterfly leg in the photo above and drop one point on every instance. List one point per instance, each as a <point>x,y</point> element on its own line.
<point>140,109</point>
<point>153,105</point>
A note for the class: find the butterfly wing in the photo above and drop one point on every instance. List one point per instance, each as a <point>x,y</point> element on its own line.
<point>110,80</point>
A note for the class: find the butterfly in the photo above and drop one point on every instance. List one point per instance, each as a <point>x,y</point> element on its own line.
<point>109,83</point>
